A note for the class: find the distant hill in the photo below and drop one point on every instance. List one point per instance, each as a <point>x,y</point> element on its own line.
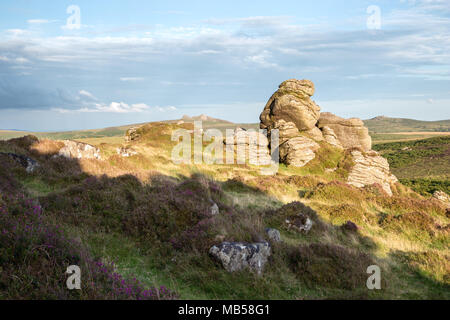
<point>377,125</point>
<point>383,124</point>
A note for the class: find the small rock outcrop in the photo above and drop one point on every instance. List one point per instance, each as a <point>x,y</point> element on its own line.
<point>132,134</point>
<point>273,234</point>
<point>79,150</point>
<point>251,145</point>
<point>29,164</point>
<point>237,256</point>
<point>371,168</point>
<point>443,197</point>
<point>351,133</point>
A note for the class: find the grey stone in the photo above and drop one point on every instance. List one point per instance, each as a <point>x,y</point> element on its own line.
<point>237,256</point>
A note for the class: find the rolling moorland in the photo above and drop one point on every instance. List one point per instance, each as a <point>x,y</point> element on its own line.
<point>140,226</point>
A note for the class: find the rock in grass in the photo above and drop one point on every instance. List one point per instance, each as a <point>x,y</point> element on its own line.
<point>237,256</point>
<point>273,234</point>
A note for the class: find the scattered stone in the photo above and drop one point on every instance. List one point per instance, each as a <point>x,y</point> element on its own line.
<point>29,164</point>
<point>273,234</point>
<point>79,150</point>
<point>371,168</point>
<point>298,151</point>
<point>237,256</point>
<point>350,226</point>
<point>126,152</point>
<point>351,133</point>
<point>300,223</point>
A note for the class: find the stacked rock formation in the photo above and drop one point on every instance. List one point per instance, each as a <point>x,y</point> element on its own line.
<point>295,115</point>
<point>302,128</point>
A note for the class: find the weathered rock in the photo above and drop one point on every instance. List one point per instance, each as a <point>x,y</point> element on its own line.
<point>29,164</point>
<point>251,145</point>
<point>442,196</point>
<point>298,151</point>
<point>126,152</point>
<point>237,256</point>
<point>315,134</point>
<point>79,150</point>
<point>292,103</point>
<point>351,133</point>
<point>371,168</point>
<point>132,134</point>
<point>331,137</point>
<point>273,234</point>
<point>300,223</point>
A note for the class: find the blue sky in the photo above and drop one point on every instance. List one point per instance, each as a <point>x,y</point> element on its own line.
<point>137,61</point>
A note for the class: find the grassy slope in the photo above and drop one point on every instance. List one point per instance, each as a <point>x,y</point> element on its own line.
<point>153,227</point>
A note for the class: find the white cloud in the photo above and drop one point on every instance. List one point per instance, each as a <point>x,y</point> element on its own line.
<point>132,79</point>
<point>38,21</point>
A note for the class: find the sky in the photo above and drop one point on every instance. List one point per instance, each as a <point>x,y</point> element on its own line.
<point>68,65</point>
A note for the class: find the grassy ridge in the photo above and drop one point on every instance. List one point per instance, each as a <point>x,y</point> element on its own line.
<point>151,218</point>
<point>392,125</point>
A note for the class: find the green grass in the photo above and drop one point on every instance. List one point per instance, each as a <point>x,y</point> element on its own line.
<point>429,158</point>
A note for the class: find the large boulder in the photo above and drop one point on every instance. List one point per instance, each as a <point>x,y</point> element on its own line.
<point>292,103</point>
<point>237,256</point>
<point>351,133</point>
<point>79,150</point>
<point>371,168</point>
<point>298,151</point>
